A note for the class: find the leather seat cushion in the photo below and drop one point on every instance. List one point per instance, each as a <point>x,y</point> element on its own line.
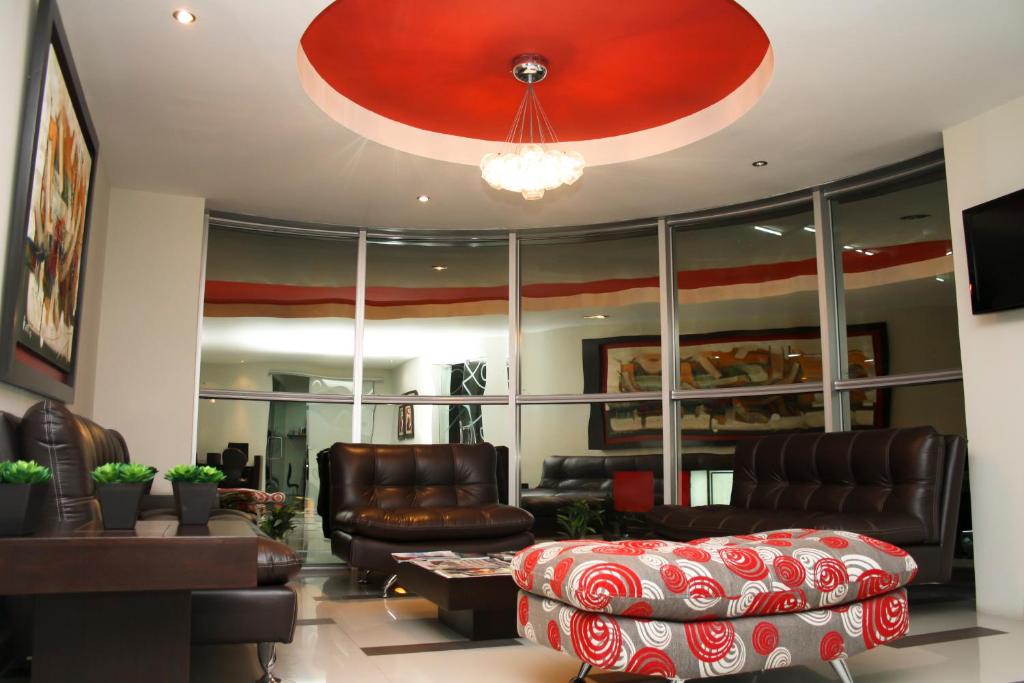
<point>690,523</point>
<point>244,615</point>
<point>793,570</point>
<point>549,500</point>
<point>416,523</point>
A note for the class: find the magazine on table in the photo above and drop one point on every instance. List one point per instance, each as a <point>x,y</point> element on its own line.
<point>452,565</point>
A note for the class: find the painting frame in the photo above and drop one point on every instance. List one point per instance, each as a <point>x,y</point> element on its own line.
<point>596,373</point>
<point>406,418</point>
<point>40,370</point>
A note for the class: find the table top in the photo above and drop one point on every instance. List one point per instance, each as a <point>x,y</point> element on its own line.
<point>474,592</point>
<point>156,555</point>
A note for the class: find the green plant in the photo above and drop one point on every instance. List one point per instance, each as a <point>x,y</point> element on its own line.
<point>579,519</point>
<point>196,474</point>
<point>278,520</point>
<point>122,473</point>
<point>23,472</point>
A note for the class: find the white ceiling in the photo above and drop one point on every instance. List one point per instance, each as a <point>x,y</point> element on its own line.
<point>216,110</point>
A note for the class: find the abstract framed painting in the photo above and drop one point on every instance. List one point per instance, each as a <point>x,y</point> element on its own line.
<point>52,203</point>
<point>727,360</point>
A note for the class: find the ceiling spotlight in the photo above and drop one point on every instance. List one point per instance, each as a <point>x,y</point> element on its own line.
<point>847,246</point>
<point>914,216</point>
<point>940,279</point>
<point>809,228</point>
<point>770,231</point>
<point>183,16</point>
<point>949,252</point>
<point>596,316</point>
<point>760,163</point>
<point>439,268</point>
<point>869,253</point>
<point>423,199</point>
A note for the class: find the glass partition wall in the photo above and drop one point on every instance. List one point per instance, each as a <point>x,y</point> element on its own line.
<point>827,309</point>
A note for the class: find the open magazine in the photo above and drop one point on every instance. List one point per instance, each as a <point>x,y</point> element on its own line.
<point>452,565</point>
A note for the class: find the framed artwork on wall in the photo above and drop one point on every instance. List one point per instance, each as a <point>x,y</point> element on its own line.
<point>46,250</point>
<point>406,424</point>
<point>734,359</point>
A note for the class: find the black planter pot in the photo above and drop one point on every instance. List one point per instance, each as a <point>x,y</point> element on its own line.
<point>119,504</point>
<point>21,508</point>
<point>194,501</point>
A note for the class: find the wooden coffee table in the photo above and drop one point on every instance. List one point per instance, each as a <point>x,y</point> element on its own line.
<point>478,607</point>
<point>117,605</point>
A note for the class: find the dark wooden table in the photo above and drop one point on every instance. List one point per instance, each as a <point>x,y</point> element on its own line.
<point>478,607</point>
<point>116,605</point>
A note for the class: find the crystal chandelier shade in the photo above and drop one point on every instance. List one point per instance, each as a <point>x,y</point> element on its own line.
<point>527,163</point>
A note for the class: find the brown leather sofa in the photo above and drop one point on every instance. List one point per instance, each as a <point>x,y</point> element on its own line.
<point>71,446</point>
<point>392,499</point>
<point>898,485</point>
<point>568,478</point>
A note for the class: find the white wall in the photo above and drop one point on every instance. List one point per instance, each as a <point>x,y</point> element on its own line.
<point>983,161</point>
<point>16,20</point>
<point>146,361</point>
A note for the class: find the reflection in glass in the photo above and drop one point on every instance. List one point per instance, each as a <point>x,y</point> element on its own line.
<point>898,276</point>
<point>748,302</point>
<point>276,303</point>
<point>437,318</point>
<point>938,405</point>
<point>598,290</point>
<point>411,424</point>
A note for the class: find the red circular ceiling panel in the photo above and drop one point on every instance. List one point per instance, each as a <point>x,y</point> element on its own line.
<point>615,67</point>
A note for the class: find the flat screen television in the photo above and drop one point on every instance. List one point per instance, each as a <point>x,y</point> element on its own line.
<point>994,233</point>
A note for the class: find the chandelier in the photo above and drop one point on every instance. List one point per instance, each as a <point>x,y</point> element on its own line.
<point>526,163</point>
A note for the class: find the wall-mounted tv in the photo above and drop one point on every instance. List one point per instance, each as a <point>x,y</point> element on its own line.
<point>994,232</point>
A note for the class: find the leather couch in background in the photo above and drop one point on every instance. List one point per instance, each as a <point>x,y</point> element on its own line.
<point>566,479</point>
<point>901,486</point>
<point>72,446</point>
<point>390,499</point>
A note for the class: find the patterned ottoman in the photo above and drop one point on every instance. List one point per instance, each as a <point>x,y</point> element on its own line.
<point>714,606</point>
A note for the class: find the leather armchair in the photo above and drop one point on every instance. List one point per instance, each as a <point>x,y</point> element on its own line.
<point>72,446</point>
<point>902,486</point>
<point>391,499</point>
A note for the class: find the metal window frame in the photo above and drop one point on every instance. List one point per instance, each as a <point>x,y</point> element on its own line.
<point>831,300</point>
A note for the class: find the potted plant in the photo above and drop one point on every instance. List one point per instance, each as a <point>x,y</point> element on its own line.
<point>23,488</point>
<point>120,486</point>
<point>278,519</point>
<point>579,519</point>
<point>195,491</point>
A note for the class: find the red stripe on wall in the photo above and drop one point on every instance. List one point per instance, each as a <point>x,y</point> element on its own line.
<point>226,292</point>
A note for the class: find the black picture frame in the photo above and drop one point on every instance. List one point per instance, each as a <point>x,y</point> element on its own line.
<point>406,418</point>
<point>20,365</point>
<point>595,374</point>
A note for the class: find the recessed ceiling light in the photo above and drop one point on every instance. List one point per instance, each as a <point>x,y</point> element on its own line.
<point>809,228</point>
<point>423,199</point>
<point>183,16</point>
<point>439,268</point>
<point>760,163</point>
<point>596,316</point>
<point>241,361</point>
<point>847,246</point>
<point>949,252</point>
<point>914,216</point>
<point>793,355</point>
<point>869,253</point>
<point>940,279</point>
<point>770,231</point>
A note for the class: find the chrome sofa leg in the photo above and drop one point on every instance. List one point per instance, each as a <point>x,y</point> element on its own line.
<point>581,674</point>
<point>843,671</point>
<point>363,576</point>
<point>388,584</point>
<point>267,653</point>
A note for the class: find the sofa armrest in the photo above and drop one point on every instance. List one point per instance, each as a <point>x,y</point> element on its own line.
<point>156,501</point>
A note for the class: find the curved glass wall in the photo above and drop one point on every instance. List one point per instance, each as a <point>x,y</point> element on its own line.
<point>554,345</point>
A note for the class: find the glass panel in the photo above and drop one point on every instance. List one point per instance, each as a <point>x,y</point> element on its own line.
<point>898,280</point>
<point>938,405</point>
<point>711,428</point>
<point>598,295</point>
<point>429,424</point>
<point>286,437</point>
<point>748,303</point>
<point>437,318</point>
<point>276,304</point>
<point>586,452</point>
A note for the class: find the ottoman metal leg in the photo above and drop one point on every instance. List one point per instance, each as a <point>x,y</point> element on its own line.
<point>581,674</point>
<point>267,653</point>
<point>387,586</point>
<point>843,671</point>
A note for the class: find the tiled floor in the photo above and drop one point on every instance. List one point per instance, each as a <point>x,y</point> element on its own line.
<point>348,635</point>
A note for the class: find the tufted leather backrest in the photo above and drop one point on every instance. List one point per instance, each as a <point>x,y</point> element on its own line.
<point>595,473</point>
<point>892,471</point>
<point>71,446</point>
<point>389,477</point>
